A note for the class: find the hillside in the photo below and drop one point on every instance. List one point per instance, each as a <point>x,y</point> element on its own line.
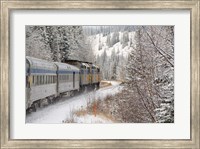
<point>112,51</point>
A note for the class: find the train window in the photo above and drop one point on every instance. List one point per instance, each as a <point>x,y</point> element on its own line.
<point>48,80</point>
<point>67,77</point>
<point>26,81</point>
<point>38,80</point>
<point>33,80</point>
<point>54,79</point>
<point>45,79</point>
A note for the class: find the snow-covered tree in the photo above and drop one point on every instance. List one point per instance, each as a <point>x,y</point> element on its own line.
<point>150,71</point>
<point>58,43</point>
<point>115,38</point>
<point>36,44</point>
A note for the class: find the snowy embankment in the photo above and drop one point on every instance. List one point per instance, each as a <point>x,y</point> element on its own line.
<point>60,111</point>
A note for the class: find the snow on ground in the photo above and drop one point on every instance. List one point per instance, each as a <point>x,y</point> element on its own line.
<point>60,111</point>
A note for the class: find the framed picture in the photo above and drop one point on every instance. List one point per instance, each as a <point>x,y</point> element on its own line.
<point>100,74</point>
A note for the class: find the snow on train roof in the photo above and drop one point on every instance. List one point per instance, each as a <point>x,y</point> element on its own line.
<point>62,66</point>
<point>93,65</point>
<point>38,63</point>
<point>85,64</point>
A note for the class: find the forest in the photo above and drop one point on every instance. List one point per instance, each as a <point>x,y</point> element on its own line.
<point>141,57</point>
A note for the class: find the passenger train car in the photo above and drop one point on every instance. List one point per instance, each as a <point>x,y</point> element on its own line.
<point>67,78</point>
<point>45,81</point>
<point>89,73</point>
<point>41,80</point>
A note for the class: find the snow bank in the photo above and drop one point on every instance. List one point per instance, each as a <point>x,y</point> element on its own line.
<point>60,111</point>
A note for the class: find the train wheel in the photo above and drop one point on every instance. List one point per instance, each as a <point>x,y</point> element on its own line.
<point>43,102</point>
<point>85,89</point>
<point>98,85</point>
<point>36,106</point>
<point>95,87</point>
<point>50,100</point>
<point>71,93</point>
<point>29,110</point>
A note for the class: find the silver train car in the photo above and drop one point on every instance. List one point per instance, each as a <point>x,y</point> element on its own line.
<point>67,78</point>
<point>47,80</point>
<point>40,81</point>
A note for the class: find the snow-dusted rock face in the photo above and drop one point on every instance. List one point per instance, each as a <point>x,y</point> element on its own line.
<point>112,52</point>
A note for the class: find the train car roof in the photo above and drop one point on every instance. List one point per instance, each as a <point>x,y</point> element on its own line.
<point>38,63</point>
<point>77,61</point>
<point>64,66</point>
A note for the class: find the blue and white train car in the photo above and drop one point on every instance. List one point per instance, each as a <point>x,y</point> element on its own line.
<point>68,78</point>
<point>41,81</point>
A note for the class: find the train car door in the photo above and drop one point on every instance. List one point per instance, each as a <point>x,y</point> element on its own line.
<point>28,86</point>
<point>73,79</point>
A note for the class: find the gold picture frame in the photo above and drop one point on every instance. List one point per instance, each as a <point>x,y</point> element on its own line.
<point>193,6</point>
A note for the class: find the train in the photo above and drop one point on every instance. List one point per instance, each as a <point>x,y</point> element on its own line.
<point>47,81</point>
